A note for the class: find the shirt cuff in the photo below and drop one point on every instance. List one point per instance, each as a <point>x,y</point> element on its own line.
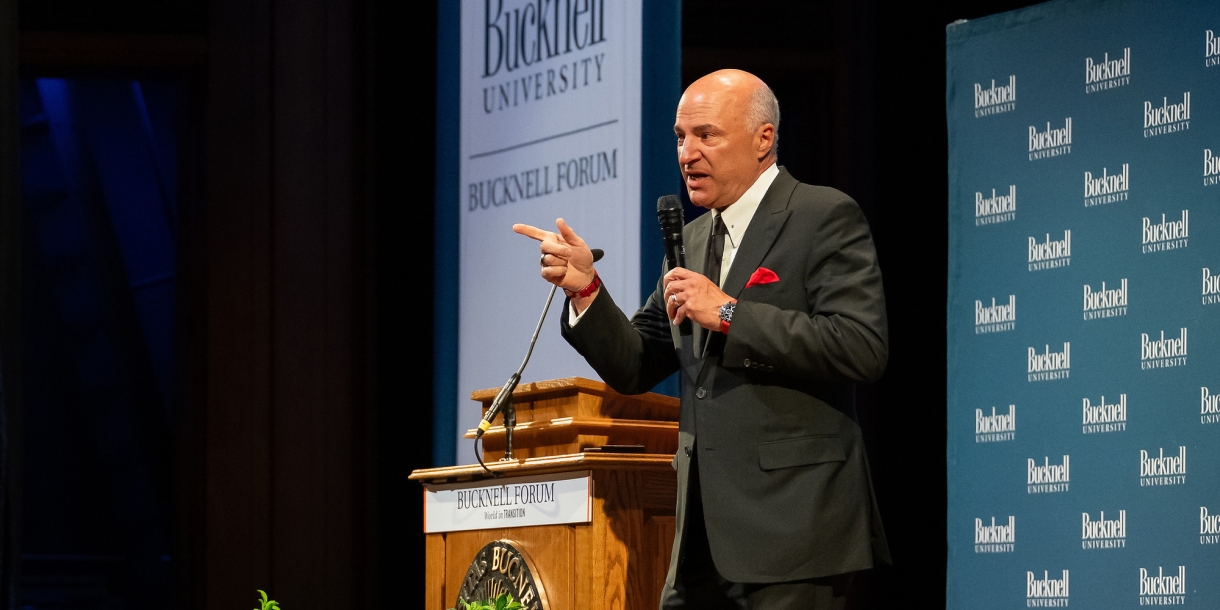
<point>573,317</point>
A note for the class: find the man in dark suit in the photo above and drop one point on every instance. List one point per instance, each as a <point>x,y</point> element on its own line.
<point>775,503</point>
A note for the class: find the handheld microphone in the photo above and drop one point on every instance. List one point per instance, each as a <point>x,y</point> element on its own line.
<point>669,216</point>
<point>506,393</point>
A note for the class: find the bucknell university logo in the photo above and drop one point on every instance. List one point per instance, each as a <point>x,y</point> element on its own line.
<point>1209,406</point>
<point>1050,254</point>
<point>1107,73</point>
<point>1209,527</point>
<point>996,317</point>
<point>1161,589</point>
<point>1103,533</point>
<point>1211,49</point>
<point>1050,142</point>
<point>1211,287</point>
<point>1106,187</point>
<point>1049,366</point>
<point>992,538</point>
<point>1163,353</point>
<point>1160,469</point>
<point>1046,592</point>
<point>1048,478</point>
<point>996,208</point>
<point>1101,417</point>
<point>1167,234</point>
<point>1167,118</point>
<point>1105,302</point>
<point>995,99</point>
<point>1211,168</point>
<point>997,427</point>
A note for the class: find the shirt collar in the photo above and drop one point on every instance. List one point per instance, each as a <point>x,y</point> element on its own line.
<point>737,215</point>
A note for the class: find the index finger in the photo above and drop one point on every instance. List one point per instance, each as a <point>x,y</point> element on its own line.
<point>531,231</point>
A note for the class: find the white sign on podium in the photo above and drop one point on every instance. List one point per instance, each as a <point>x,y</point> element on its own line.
<point>548,499</point>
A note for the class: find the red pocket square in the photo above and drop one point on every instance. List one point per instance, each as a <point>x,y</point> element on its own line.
<point>761,276</point>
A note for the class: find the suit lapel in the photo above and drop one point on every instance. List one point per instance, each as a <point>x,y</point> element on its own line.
<point>696,235</point>
<point>760,235</point>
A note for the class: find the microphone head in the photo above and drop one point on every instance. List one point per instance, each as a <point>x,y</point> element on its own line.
<point>669,202</point>
<point>669,214</point>
<point>598,253</point>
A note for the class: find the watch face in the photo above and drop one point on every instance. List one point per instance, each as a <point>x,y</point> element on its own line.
<point>726,311</point>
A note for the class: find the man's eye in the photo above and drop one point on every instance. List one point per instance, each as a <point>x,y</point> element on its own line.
<point>705,136</point>
<point>680,139</point>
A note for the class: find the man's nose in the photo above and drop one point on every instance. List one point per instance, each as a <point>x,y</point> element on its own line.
<point>688,152</point>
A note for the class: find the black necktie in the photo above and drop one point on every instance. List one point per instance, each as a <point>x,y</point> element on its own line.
<point>711,269</point>
<point>715,249</point>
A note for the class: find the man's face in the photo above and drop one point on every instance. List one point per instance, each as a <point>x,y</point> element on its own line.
<point>717,152</point>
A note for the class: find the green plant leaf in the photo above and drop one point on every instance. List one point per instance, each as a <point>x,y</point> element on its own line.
<point>266,604</point>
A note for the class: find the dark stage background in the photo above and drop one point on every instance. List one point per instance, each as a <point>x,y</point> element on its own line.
<point>305,247</point>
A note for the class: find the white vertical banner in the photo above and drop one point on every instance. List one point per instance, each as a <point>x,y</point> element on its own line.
<point>550,128</point>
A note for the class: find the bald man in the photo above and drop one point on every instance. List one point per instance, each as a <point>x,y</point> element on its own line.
<point>775,503</point>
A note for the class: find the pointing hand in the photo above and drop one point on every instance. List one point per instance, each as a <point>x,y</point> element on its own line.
<point>566,260</point>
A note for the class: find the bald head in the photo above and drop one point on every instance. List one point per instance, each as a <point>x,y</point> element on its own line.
<point>727,124</point>
<point>754,97</point>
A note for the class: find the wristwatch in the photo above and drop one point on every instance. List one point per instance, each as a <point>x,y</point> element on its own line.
<point>726,315</point>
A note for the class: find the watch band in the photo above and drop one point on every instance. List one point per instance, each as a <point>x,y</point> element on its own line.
<point>726,315</point>
<point>587,290</point>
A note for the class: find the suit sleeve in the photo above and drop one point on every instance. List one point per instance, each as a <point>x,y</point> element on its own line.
<point>631,356</point>
<point>843,332</point>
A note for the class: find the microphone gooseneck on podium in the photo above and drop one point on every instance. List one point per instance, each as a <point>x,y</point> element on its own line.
<point>504,399</point>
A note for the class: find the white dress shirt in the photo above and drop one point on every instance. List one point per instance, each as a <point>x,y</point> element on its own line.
<point>736,216</point>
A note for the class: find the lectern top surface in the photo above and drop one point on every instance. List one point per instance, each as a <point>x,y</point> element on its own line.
<point>547,464</point>
<point>571,384</point>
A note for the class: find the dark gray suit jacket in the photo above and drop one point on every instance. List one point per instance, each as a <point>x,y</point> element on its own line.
<point>785,482</point>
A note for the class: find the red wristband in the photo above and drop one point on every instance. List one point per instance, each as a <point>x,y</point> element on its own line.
<point>587,290</point>
<point>724,327</point>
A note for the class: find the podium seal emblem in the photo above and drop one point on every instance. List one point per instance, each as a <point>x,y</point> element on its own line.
<point>502,567</point>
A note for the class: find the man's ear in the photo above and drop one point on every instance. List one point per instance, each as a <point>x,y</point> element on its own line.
<point>764,139</point>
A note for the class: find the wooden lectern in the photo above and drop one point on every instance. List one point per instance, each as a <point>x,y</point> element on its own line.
<point>617,560</point>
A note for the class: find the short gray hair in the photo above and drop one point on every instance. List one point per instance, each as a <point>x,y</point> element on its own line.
<point>764,108</point>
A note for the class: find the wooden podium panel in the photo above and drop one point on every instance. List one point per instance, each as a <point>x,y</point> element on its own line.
<point>569,415</point>
<point>618,560</point>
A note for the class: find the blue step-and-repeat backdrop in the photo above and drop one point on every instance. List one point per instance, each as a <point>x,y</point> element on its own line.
<point>1084,306</point>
